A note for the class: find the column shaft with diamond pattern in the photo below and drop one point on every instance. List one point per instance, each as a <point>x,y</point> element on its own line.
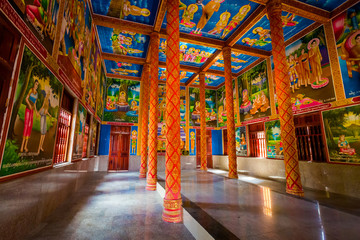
<point>282,81</point>
<point>230,123</point>
<point>153,119</point>
<point>202,122</point>
<point>144,121</point>
<point>172,201</point>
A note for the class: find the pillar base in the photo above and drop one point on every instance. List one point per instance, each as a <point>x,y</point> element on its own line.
<point>151,184</point>
<point>173,211</point>
<point>296,192</point>
<point>204,169</point>
<point>233,175</point>
<point>142,174</point>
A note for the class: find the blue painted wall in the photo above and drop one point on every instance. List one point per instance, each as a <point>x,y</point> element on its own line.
<point>216,136</point>
<point>104,142</point>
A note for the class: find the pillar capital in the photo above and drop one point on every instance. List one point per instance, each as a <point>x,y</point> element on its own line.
<point>202,74</point>
<point>226,51</point>
<point>154,35</point>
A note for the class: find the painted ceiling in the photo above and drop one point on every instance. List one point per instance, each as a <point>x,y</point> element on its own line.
<point>143,11</point>
<point>224,16</point>
<point>327,5</point>
<point>238,62</point>
<point>123,69</point>
<point>190,54</point>
<point>184,76</point>
<point>210,80</point>
<point>123,42</point>
<point>259,35</point>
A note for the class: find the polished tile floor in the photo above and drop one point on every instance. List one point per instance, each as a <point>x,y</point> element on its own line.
<point>117,206</point>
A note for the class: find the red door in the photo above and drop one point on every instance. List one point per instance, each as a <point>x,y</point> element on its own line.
<point>119,148</point>
<point>208,149</point>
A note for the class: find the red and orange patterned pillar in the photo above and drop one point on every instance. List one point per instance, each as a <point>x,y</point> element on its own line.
<point>153,119</point>
<point>282,81</point>
<point>144,120</point>
<point>230,123</point>
<point>202,122</point>
<point>172,201</point>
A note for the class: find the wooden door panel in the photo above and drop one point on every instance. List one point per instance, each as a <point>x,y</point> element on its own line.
<point>119,148</point>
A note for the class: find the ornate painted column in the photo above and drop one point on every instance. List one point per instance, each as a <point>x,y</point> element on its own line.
<point>282,81</point>
<point>230,123</point>
<point>144,120</point>
<point>202,122</point>
<point>153,119</point>
<point>172,201</point>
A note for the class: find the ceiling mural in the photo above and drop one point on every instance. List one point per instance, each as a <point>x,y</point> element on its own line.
<point>131,10</point>
<point>238,62</point>
<point>123,69</point>
<point>259,35</point>
<point>190,54</point>
<point>213,18</point>
<point>210,80</point>
<point>327,5</point>
<point>123,42</point>
<point>184,76</point>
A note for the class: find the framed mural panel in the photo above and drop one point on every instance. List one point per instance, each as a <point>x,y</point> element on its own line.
<point>347,35</point>
<point>79,132</point>
<point>254,93</point>
<point>309,70</point>
<point>210,102</point>
<point>220,104</point>
<point>273,140</point>
<point>41,18</point>
<point>182,106</point>
<point>241,144</point>
<point>192,142</point>
<point>134,141</point>
<point>342,129</point>
<point>101,94</point>
<point>31,136</point>
<point>122,101</point>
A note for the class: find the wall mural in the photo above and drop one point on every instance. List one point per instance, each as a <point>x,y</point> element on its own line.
<point>184,76</point>
<point>254,93</point>
<point>75,39</point>
<point>259,35</point>
<point>122,101</point>
<point>182,106</point>
<point>190,54</point>
<point>79,136</point>
<point>93,134</point>
<point>133,140</point>
<point>210,100</point>
<point>41,18</point>
<point>131,10</point>
<point>342,134</point>
<point>101,93</point>
<point>124,69</point>
<point>347,35</point>
<point>192,142</point>
<point>309,70</point>
<point>273,140</point>
<point>123,42</point>
<point>238,62</point>
<point>241,145</point>
<point>32,129</point>
<point>210,80</point>
<point>213,18</point>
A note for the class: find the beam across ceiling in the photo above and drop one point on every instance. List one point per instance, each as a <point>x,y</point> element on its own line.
<point>346,5</point>
<point>250,51</point>
<point>160,15</point>
<point>302,33</point>
<point>123,58</point>
<point>111,75</point>
<point>306,11</point>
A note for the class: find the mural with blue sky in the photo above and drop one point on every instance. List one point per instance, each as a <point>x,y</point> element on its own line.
<point>143,11</point>
<point>190,54</point>
<point>123,69</point>
<point>123,42</point>
<point>238,62</point>
<point>211,80</point>
<point>216,19</point>
<point>184,76</point>
<point>328,5</point>
<point>259,35</point>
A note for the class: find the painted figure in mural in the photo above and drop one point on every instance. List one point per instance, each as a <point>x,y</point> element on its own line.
<point>39,16</point>
<point>133,141</point>
<point>304,59</point>
<point>221,24</point>
<point>243,142</point>
<point>257,42</point>
<point>246,104</point>
<point>344,146</point>
<point>265,104</point>
<point>30,100</point>
<point>299,70</point>
<point>163,131</point>
<point>134,106</point>
<point>162,109</point>
<point>263,33</point>
<point>79,145</point>
<point>44,111</point>
<point>122,99</point>
<point>315,60</point>
<point>133,10</point>
<point>236,20</point>
<point>220,114</point>
<point>288,20</point>
<point>192,141</point>
<point>182,52</point>
<point>207,11</point>
<point>292,73</point>
<point>355,50</point>
<point>188,15</point>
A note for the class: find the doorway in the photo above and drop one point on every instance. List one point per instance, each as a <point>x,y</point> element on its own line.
<point>208,149</point>
<point>257,140</point>
<point>119,148</point>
